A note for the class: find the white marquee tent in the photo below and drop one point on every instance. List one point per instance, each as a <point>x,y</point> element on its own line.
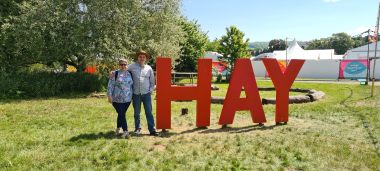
<point>294,51</point>
<point>362,52</point>
<point>320,64</point>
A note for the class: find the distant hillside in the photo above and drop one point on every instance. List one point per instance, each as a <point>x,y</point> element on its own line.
<point>258,45</point>
<point>264,45</point>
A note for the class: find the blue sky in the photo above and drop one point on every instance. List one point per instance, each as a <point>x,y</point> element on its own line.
<point>264,20</point>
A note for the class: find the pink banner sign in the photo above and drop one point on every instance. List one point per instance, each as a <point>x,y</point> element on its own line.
<point>353,69</point>
<point>219,66</point>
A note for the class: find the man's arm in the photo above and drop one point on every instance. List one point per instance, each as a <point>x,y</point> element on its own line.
<point>152,81</point>
<point>130,66</point>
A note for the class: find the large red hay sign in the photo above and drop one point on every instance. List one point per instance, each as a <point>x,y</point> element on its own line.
<point>242,76</point>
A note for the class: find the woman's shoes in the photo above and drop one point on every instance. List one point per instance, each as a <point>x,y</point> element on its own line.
<point>125,135</point>
<point>137,132</point>
<point>119,131</point>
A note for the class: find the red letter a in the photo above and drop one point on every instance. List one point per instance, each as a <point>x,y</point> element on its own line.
<point>282,82</point>
<point>166,92</point>
<point>242,76</point>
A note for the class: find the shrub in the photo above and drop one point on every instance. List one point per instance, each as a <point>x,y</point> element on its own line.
<point>219,78</point>
<point>47,84</point>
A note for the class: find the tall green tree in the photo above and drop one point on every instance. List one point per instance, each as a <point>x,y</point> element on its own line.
<point>192,47</point>
<point>9,8</point>
<point>213,45</point>
<point>340,42</point>
<point>77,32</point>
<point>319,44</point>
<point>276,44</point>
<point>359,41</point>
<point>233,46</point>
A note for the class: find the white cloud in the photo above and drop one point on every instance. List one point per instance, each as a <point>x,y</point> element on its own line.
<point>328,1</point>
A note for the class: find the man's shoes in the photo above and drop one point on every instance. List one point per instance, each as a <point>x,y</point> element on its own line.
<point>153,133</point>
<point>125,135</point>
<point>137,132</point>
<point>119,131</point>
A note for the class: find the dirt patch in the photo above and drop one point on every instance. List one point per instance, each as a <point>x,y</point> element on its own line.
<point>160,147</point>
<point>367,104</point>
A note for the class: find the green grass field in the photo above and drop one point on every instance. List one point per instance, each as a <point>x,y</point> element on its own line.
<point>341,132</point>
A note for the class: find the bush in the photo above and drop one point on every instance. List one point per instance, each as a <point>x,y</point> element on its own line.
<point>45,84</point>
<point>219,78</point>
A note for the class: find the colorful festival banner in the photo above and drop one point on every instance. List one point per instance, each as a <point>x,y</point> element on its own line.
<point>353,69</point>
<point>219,67</point>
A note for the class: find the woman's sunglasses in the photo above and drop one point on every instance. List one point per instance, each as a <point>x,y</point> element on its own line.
<point>123,64</point>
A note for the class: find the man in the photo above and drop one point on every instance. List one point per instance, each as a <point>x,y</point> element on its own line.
<point>143,86</point>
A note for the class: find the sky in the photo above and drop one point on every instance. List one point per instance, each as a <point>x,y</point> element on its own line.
<point>264,20</point>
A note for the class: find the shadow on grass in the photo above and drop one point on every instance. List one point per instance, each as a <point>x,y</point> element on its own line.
<point>168,134</point>
<point>94,136</point>
<point>365,123</point>
<point>239,129</point>
<point>111,135</point>
<point>193,130</point>
<point>205,130</point>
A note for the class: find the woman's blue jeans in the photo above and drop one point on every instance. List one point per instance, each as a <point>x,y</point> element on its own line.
<point>121,109</point>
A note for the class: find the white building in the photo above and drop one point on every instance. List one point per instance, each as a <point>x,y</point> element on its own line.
<point>319,64</point>
<point>294,51</point>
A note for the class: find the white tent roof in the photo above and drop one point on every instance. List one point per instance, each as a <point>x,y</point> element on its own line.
<point>263,55</point>
<point>362,52</point>
<point>212,55</point>
<point>294,51</point>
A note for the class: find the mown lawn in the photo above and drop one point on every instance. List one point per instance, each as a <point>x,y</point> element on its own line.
<point>341,132</point>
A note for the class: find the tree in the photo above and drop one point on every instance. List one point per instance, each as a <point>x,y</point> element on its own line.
<point>276,44</point>
<point>233,46</point>
<point>213,45</point>
<point>78,32</point>
<point>9,8</point>
<point>192,47</point>
<point>359,41</point>
<point>319,44</point>
<point>341,42</point>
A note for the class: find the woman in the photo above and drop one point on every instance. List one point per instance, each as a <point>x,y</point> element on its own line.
<point>119,93</point>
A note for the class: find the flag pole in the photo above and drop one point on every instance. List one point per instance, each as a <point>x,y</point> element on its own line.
<point>367,78</point>
<point>374,59</point>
